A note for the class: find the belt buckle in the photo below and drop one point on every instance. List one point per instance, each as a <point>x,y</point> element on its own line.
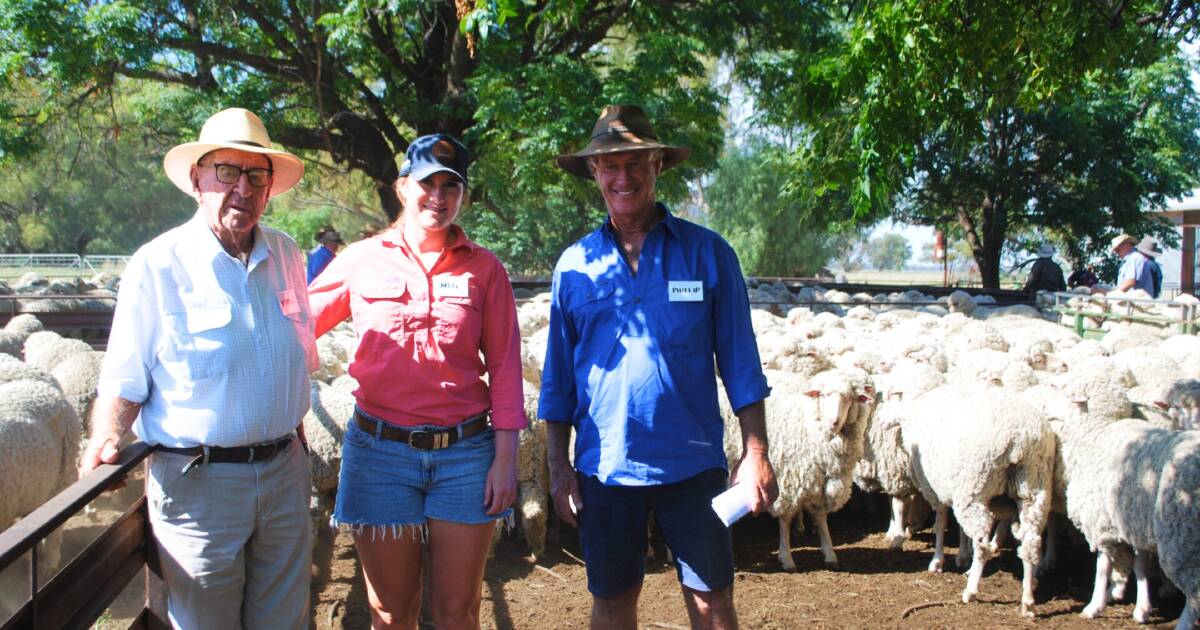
<point>437,440</point>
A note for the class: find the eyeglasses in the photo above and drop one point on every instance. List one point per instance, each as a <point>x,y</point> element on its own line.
<point>230,173</point>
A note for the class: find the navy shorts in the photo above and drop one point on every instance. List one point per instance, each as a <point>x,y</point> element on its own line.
<point>612,530</point>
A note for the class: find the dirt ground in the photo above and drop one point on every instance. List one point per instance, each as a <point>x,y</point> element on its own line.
<point>874,588</point>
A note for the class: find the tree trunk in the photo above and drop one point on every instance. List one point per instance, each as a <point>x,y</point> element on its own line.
<point>388,200</point>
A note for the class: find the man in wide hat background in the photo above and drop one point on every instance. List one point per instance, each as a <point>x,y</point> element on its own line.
<point>639,309</point>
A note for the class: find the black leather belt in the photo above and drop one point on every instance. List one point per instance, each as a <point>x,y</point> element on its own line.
<point>423,439</point>
<point>230,455</point>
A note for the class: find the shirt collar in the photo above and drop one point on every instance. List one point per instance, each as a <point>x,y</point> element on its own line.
<point>204,243</point>
<point>670,222</point>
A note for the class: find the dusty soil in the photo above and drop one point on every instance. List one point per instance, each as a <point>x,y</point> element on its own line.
<point>875,587</point>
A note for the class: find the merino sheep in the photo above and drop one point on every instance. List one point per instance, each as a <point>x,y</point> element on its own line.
<point>324,426</point>
<point>23,325</point>
<point>533,478</point>
<point>46,349</point>
<point>77,376</point>
<point>979,451</point>
<point>816,427</point>
<point>39,443</point>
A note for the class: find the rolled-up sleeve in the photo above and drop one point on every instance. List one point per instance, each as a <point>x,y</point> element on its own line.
<point>558,400</point>
<point>501,345</point>
<point>736,346</point>
<point>328,295</point>
<point>130,355</point>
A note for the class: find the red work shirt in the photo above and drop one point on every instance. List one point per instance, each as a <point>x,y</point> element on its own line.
<point>425,339</point>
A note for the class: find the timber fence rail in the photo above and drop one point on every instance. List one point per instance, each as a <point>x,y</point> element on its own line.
<point>1090,312</point>
<point>78,594</point>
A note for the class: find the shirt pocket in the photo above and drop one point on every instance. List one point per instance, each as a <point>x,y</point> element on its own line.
<point>686,327</point>
<point>289,304</point>
<point>198,340</point>
<point>387,306</point>
<point>458,320</point>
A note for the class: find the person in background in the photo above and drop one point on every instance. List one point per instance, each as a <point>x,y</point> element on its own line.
<point>639,310</point>
<point>1134,272</point>
<point>1083,276</point>
<point>1149,248</point>
<point>1045,274</point>
<point>210,352</point>
<point>430,455</point>
<point>329,241</point>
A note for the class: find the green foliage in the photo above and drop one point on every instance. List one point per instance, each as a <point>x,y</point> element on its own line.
<point>94,187</point>
<point>748,206</point>
<point>890,251</point>
<point>350,83</point>
<point>301,225</point>
<point>995,117</point>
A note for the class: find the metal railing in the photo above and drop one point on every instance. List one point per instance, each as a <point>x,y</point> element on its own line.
<point>1124,309</point>
<point>66,262</point>
<point>78,594</point>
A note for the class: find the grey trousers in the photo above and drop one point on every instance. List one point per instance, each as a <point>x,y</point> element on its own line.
<point>233,540</point>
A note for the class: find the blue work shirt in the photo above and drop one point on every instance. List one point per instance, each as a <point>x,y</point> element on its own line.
<point>1135,266</point>
<point>629,359</point>
<point>318,260</point>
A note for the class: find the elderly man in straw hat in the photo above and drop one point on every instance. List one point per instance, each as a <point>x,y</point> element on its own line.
<point>639,309</point>
<point>1135,273</point>
<point>1045,274</point>
<point>210,352</point>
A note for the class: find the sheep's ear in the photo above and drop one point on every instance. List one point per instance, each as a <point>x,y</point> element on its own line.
<point>1162,405</point>
<point>863,398</point>
<point>813,393</point>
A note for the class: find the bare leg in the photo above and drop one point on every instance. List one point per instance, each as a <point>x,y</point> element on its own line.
<point>826,540</point>
<point>616,613</point>
<point>1100,592</point>
<point>896,533</point>
<point>392,571</point>
<point>1141,610</point>
<point>711,609</point>
<point>457,555</point>
<point>939,541</point>
<point>785,542</point>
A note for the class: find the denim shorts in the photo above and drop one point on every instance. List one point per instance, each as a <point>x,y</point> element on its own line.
<point>390,487</point>
<point>612,530</point>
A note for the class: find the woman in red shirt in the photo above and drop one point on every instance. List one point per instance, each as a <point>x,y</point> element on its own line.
<point>434,313</point>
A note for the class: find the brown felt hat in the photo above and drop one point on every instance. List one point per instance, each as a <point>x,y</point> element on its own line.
<point>621,128</point>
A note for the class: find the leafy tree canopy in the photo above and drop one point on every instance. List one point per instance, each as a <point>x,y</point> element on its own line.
<point>356,80</point>
<point>889,251</point>
<point>997,117</point>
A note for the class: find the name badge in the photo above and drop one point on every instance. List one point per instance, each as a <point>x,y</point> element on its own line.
<point>685,291</point>
<point>450,286</point>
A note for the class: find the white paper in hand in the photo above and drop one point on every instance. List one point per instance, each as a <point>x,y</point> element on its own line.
<point>732,504</point>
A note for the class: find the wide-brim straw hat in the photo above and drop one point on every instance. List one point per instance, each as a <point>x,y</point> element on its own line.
<point>621,128</point>
<point>1117,240</point>
<point>1046,250</point>
<point>233,128</point>
<point>1149,247</point>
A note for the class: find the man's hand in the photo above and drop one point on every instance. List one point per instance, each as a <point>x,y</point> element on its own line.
<point>564,489</point>
<point>101,449</point>
<point>564,486</point>
<point>754,470</point>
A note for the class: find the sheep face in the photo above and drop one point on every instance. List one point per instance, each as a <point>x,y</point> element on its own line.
<point>1183,404</point>
<point>832,409</point>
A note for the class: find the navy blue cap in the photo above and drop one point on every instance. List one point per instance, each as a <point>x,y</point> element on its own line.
<point>435,153</point>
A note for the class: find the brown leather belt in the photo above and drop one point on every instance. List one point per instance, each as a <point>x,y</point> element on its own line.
<point>423,439</point>
<point>230,455</point>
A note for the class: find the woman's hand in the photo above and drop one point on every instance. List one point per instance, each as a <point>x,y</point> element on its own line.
<point>501,489</point>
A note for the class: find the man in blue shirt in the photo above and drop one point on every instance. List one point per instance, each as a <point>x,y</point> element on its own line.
<point>1149,248</point>
<point>329,241</point>
<point>1134,272</point>
<point>639,309</point>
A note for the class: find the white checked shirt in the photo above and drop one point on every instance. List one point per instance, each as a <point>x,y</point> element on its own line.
<point>218,353</point>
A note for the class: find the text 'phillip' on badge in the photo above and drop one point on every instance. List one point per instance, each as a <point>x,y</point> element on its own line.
<point>685,291</point>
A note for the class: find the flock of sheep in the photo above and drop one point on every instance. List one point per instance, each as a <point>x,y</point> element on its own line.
<point>1009,421</point>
